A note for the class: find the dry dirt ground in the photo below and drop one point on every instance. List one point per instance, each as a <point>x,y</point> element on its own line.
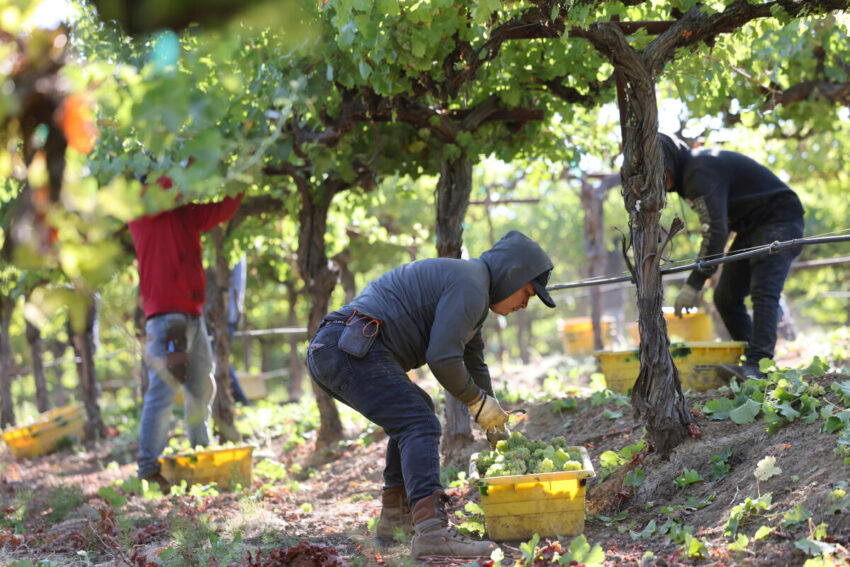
<point>333,504</point>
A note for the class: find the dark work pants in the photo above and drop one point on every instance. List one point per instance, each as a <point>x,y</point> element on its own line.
<point>377,387</point>
<point>761,277</point>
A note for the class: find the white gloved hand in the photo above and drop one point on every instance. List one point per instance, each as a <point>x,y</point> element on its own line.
<point>686,300</point>
<point>489,415</point>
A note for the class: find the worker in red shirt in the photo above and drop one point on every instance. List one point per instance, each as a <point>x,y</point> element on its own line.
<point>172,284</point>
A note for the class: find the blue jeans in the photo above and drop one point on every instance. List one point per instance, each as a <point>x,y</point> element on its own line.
<point>761,277</point>
<point>377,387</point>
<point>198,390</point>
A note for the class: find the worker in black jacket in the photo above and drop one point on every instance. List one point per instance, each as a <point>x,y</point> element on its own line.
<point>426,312</point>
<point>732,192</point>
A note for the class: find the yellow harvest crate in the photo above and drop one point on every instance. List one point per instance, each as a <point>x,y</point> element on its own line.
<point>547,504</point>
<point>225,466</point>
<point>577,334</point>
<point>253,386</point>
<point>42,436</point>
<point>691,327</point>
<point>695,361</point>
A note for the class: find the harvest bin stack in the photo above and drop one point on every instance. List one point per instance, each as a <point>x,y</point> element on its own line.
<point>695,361</point>
<point>547,504</point>
<point>226,467</point>
<point>43,436</point>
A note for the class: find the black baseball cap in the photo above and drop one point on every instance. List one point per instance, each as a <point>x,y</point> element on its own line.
<point>539,284</point>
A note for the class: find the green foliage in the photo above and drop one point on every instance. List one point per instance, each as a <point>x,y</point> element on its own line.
<point>195,541</point>
<point>471,520</point>
<point>783,396</point>
<point>610,461</point>
<point>795,518</point>
<point>63,500</point>
<point>720,466</point>
<point>741,512</point>
<point>21,503</point>
<point>635,478</point>
<point>688,477</point>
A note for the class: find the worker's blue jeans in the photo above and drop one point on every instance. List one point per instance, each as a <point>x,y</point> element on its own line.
<point>761,277</point>
<point>198,390</point>
<point>377,387</point>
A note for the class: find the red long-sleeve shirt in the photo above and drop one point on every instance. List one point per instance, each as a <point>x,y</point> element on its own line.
<point>168,249</point>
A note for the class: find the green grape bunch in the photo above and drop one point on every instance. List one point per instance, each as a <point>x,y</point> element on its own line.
<point>518,455</point>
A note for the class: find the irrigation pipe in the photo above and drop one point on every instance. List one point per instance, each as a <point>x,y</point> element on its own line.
<point>771,248</point>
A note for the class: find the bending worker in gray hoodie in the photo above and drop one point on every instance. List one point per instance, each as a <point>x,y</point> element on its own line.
<point>429,311</point>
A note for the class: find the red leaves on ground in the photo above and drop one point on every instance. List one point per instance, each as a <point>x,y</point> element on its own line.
<point>140,560</point>
<point>303,554</point>
<point>694,430</point>
<point>151,532</point>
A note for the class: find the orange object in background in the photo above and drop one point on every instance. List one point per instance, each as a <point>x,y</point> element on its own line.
<point>77,123</point>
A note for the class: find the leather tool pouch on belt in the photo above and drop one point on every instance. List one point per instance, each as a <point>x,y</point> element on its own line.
<point>176,357</point>
<point>359,334</point>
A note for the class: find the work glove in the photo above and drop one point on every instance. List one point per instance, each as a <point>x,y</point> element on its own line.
<point>687,299</point>
<point>497,435</point>
<point>491,417</point>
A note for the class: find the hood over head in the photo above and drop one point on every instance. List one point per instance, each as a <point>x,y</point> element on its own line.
<point>514,261</point>
<point>676,153</point>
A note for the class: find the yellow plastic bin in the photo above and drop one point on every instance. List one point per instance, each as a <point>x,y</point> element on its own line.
<point>42,436</point>
<point>225,466</point>
<point>691,327</point>
<point>547,504</point>
<point>577,334</point>
<point>695,361</point>
<point>253,386</point>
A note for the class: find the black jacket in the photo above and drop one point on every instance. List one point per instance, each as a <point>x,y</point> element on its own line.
<point>729,191</point>
<point>432,310</point>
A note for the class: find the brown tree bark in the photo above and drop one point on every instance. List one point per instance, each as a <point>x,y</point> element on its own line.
<point>594,248</point>
<point>140,334</point>
<point>7,406</point>
<point>321,276</point>
<point>42,400</point>
<point>218,282</point>
<point>296,375</point>
<point>657,395</point>
<point>82,339</point>
<point>346,276</point>
<point>453,190</point>
<point>57,350</point>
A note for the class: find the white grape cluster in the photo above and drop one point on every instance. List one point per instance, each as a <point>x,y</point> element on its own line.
<point>518,455</point>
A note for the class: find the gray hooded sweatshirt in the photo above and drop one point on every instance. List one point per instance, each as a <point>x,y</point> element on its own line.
<point>432,310</point>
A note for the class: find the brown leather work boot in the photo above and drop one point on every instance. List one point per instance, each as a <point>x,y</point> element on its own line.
<point>395,514</point>
<point>435,536</point>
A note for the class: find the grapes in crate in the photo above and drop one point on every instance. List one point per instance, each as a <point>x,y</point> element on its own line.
<point>518,455</point>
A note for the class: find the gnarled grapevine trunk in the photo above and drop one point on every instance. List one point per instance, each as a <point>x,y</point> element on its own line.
<point>7,408</point>
<point>657,394</point>
<point>83,341</point>
<point>320,275</point>
<point>452,196</point>
<point>34,339</point>
<point>218,281</point>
